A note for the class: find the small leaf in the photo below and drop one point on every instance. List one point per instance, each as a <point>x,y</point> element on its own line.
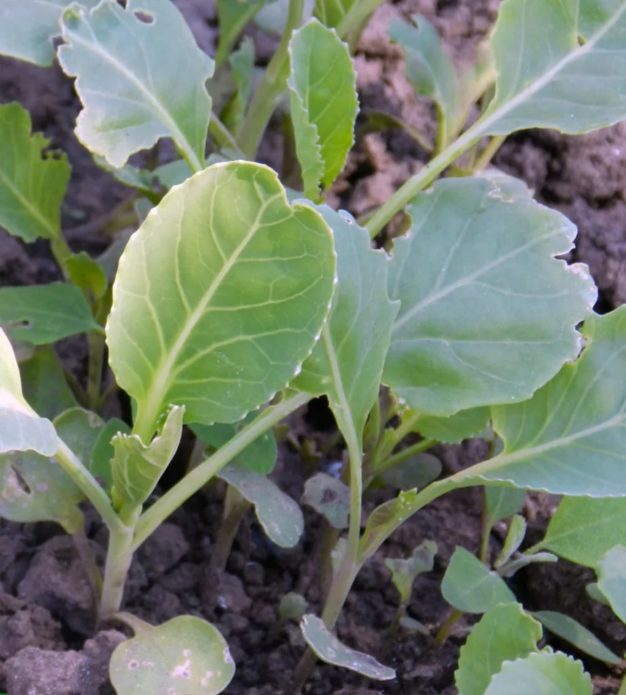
<point>32,185</point>
<point>471,587</point>
<point>576,634</point>
<point>457,427</point>
<point>138,80</point>
<point>404,571</point>
<point>542,673</point>
<point>27,28</point>
<point>486,316</point>
<point>575,83</point>
<point>329,497</point>
<point>502,502</point>
<point>241,64</point>
<point>87,274</point>
<point>80,430</point>
<point>292,606</point>
<point>258,457</point>
<point>232,18</point>
<point>612,579</point>
<point>511,567</point>
<point>44,383</point>
<point>570,437</point>
<point>514,538</point>
<point>504,633</point>
<point>137,467</point>
<point>324,104</point>
<point>582,530</point>
<point>384,519</point>
<point>184,656</point>
<point>330,650</point>
<point>278,514</point>
<point>417,471</point>
<point>219,297</point>
<point>429,69</point>
<point>103,451</point>
<point>42,314</point>
<point>332,12</point>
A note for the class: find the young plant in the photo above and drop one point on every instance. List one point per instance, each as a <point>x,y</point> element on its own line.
<point>238,298</point>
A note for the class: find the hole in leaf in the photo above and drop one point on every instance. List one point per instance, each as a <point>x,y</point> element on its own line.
<point>144,17</point>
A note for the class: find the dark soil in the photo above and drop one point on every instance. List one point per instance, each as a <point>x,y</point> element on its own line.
<point>47,645</point>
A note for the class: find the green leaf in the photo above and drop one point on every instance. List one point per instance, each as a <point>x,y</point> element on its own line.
<point>103,451</point>
<point>184,656</point>
<point>137,467</point>
<point>32,184</point>
<point>456,428</point>
<point>471,587</point>
<point>429,69</point>
<point>570,437</point>
<point>576,634</point>
<point>219,297</point>
<point>329,497</point>
<point>324,104</point>
<point>560,65</point>
<point>232,17</point>
<point>44,384</point>
<point>88,274</point>
<point>347,363</point>
<point>138,80</point>
<point>612,579</point>
<point>258,457</point>
<point>80,430</point>
<point>404,571</point>
<point>582,530</point>
<point>332,12</point>
<point>417,471</point>
<point>514,538</point>
<point>330,650</point>
<point>278,514</point>
<point>27,28</point>
<point>488,314</point>
<point>242,67</point>
<point>542,673</point>
<point>384,519</point>
<point>502,502</point>
<point>504,633</point>
<point>42,314</point>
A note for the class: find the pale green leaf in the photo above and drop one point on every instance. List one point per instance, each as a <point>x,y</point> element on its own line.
<point>347,363</point>
<point>258,457</point>
<point>292,606</point>
<point>184,656</point>
<point>470,586</point>
<point>11,396</point>
<point>429,69</point>
<point>417,471</point>
<point>384,519</point>
<point>241,64</point>
<point>456,428</point>
<point>542,673</point>
<point>514,538</point>
<point>332,12</point>
<point>504,633</point>
<point>405,570</point>
<point>232,17</point>
<point>86,273</point>
<point>329,497</point>
<point>502,502</point>
<point>612,579</point>
<point>138,80</point>
<point>80,430</point>
<point>41,314</point>
<point>523,560</point>
<point>576,634</point>
<point>278,514</point>
<point>570,437</point>
<point>103,451</point>
<point>583,529</point>
<point>324,104</point>
<point>32,185</point>
<point>137,467</point>
<point>27,28</point>
<point>330,650</point>
<point>560,65</point>
<point>219,296</point>
<point>488,313</point>
<point>44,384</point>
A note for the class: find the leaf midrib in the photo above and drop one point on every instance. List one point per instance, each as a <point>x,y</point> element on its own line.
<point>28,205</point>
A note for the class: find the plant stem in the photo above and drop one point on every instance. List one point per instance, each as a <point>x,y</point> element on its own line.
<point>61,252</point>
<point>222,136</point>
<point>235,508</point>
<point>95,342</point>
<point>488,152</point>
<point>391,438</point>
<point>447,625</point>
<point>271,87</point>
<point>405,454</point>
<point>357,15</point>
<point>199,476</point>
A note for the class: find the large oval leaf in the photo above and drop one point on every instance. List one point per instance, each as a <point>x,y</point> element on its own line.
<point>219,296</point>
<point>488,314</point>
<point>140,77</point>
<point>570,438</point>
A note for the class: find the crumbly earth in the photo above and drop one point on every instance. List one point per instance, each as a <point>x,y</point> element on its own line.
<point>47,646</point>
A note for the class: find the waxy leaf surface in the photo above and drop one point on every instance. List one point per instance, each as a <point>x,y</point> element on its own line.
<point>504,633</point>
<point>184,656</point>
<point>329,497</point>
<point>32,185</point>
<point>583,529</point>
<point>41,314</point>
<point>542,673</point>
<point>140,77</point>
<point>44,384</point>
<point>560,65</point>
<point>405,570</point>
<point>570,437</point>
<point>329,649</point>
<point>612,579</point>
<point>219,297</point>
<point>488,314</point>
<point>324,104</point>
<point>27,28</point>
<point>457,427</point>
